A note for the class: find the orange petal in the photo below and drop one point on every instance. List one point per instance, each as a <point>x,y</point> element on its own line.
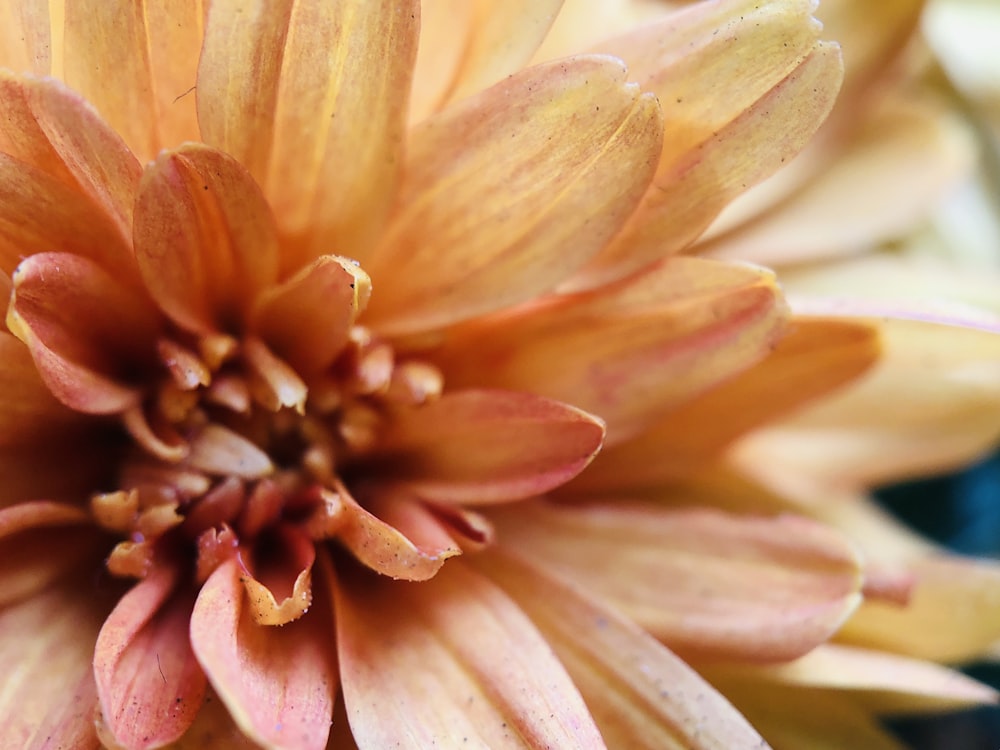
<point>884,682</point>
<point>278,683</point>
<point>641,695</point>
<point>223,452</point>
<point>40,541</point>
<point>306,320</point>
<point>320,125</point>
<point>39,212</point>
<point>215,728</point>
<point>25,38</point>
<point>396,535</point>
<point>150,685</point>
<point>693,185</point>
<point>818,356</point>
<point>451,663</point>
<point>631,352</point>
<point>511,190</point>
<point>48,696</point>
<point>705,582</point>
<point>137,64</point>
<point>50,127</point>
<point>479,446</point>
<point>204,238</point>
<point>467,46</point>
<point>87,332</point>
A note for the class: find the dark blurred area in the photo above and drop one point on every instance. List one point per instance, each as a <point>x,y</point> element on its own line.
<point>961,511</point>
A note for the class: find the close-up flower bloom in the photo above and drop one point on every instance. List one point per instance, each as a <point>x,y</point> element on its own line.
<point>318,316</point>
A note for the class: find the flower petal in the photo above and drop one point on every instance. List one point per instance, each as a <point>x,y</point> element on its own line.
<point>150,685</point>
<point>88,333</point>
<point>451,663</point>
<point>727,150</point>
<point>831,216</point>
<point>479,446</point>
<point>50,127</point>
<point>306,320</point>
<point>40,541</point>
<point>137,64</point>
<point>46,648</point>
<point>870,433</point>
<point>501,202</point>
<point>632,352</point>
<point>705,582</point>
<point>396,535</point>
<point>885,682</point>
<point>25,38</point>
<point>468,46</point>
<point>278,576</point>
<point>204,238</point>
<point>278,683</point>
<point>818,356</point>
<point>320,125</point>
<point>641,695</point>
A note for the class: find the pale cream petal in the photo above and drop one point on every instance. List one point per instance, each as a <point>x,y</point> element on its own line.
<point>311,97</point>
<point>642,696</point>
<point>502,201</point>
<point>707,583</point>
<point>451,663</point>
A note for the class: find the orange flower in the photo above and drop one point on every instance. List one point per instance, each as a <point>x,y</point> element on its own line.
<point>251,383</point>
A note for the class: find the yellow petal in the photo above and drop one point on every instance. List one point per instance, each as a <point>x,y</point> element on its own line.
<point>642,696</point>
<point>508,192</point>
<point>137,64</point>
<point>451,663</point>
<point>26,38</point>
<point>742,92</point>
<point>311,97</point>
<point>632,352</point>
<point>706,583</point>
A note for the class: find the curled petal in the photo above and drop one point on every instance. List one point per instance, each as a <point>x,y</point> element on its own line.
<point>281,567</point>
<point>204,238</point>
<point>279,684</point>
<point>705,582</point>
<point>396,535</point>
<point>631,352</point>
<point>150,685</point>
<point>451,663</point>
<point>551,162</point>
<point>320,125</point>
<point>88,333</point>
<point>480,446</point>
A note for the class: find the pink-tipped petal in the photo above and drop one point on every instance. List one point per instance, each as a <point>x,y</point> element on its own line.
<point>148,681</point>
<point>451,663</point>
<point>137,63</point>
<point>707,583</point>
<point>480,446</point>
<point>87,332</point>
<point>642,696</point>
<point>510,191</point>
<point>311,97</point>
<point>632,352</point>
<point>279,684</point>
<point>204,239</point>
